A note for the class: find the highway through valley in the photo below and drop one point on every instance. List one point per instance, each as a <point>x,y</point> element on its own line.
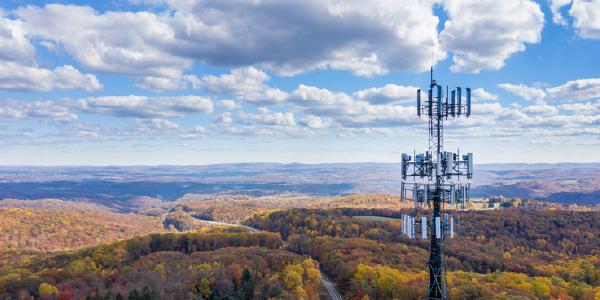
<point>330,287</point>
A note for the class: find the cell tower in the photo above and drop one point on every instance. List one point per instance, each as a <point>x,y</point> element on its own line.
<point>435,168</point>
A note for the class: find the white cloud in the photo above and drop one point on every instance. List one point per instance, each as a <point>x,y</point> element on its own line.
<point>162,127</point>
<point>583,109</point>
<point>482,35</point>
<point>268,117</point>
<point>240,81</point>
<point>160,84</point>
<point>89,127</point>
<point>361,66</point>
<point>314,122</point>
<point>349,112</point>
<point>268,131</point>
<point>100,42</point>
<point>270,97</point>
<point>17,77</point>
<point>196,83</point>
<point>17,110</point>
<point>265,123</point>
<point>586,16</point>
<point>544,142</point>
<point>366,38</point>
<point>20,72</point>
<point>578,90</point>
<point>388,94</point>
<point>228,104</point>
<point>501,140</point>
<point>483,95</point>
<point>522,90</point>
<point>143,107</point>
<point>224,118</point>
<point>555,6</point>
<point>14,45</point>
<point>541,110</point>
<point>340,106</point>
<point>78,134</point>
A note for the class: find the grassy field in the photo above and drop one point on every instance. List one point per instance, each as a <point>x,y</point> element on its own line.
<point>374,218</point>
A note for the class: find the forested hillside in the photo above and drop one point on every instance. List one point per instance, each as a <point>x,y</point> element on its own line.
<point>54,229</point>
<point>221,264</point>
<point>242,206</point>
<point>537,254</point>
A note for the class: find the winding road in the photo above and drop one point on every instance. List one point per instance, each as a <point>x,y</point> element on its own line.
<point>229,224</point>
<point>332,291</point>
<point>330,287</point>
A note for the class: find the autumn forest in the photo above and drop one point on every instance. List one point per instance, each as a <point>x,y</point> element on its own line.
<point>289,247</point>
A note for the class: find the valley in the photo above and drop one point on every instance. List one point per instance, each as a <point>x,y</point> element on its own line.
<point>117,240</point>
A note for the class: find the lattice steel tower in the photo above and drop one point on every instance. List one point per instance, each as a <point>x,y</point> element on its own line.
<point>434,168</point>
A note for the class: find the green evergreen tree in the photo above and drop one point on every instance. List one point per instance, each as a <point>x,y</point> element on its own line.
<point>275,291</point>
<point>109,296</point>
<point>134,295</point>
<point>149,294</point>
<point>248,285</point>
<point>213,296</point>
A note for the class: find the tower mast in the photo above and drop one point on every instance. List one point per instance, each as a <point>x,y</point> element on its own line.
<point>433,168</point>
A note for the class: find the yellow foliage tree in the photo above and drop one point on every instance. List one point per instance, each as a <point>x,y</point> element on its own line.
<point>290,280</point>
<point>47,289</point>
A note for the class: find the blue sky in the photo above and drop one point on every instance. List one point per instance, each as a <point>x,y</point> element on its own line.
<point>151,82</point>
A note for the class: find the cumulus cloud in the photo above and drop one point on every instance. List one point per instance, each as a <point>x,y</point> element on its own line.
<point>287,38</point>
<point>78,134</point>
<point>388,94</point>
<point>501,140</point>
<point>99,42</point>
<point>524,91</point>
<point>268,117</point>
<point>143,107</point>
<point>270,97</point>
<point>224,118</point>
<point>555,6</point>
<point>16,110</point>
<point>586,16</point>
<point>228,104</point>
<point>16,77</point>
<point>583,109</point>
<point>342,107</point>
<point>268,131</point>
<point>264,123</point>
<point>162,127</point>
<point>544,142</point>
<point>14,45</point>
<point>314,122</point>
<point>20,72</point>
<point>579,90</point>
<point>240,81</point>
<point>92,129</point>
<point>481,94</point>
<point>160,84</point>
<point>541,110</point>
<point>543,117</point>
<point>482,35</point>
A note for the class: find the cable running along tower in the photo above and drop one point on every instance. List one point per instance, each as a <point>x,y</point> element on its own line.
<point>435,169</point>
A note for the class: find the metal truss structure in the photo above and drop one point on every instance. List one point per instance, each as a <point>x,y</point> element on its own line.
<point>434,168</point>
